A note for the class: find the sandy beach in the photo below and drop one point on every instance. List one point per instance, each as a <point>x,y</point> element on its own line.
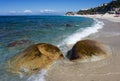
<point>104,70</point>
<point>109,17</point>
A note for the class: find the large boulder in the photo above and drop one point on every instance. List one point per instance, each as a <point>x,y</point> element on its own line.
<point>34,58</point>
<point>86,49</point>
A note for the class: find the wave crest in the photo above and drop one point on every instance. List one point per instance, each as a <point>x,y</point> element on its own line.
<point>82,33</point>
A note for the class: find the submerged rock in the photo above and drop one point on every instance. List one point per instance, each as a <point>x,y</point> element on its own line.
<point>34,58</point>
<point>85,49</point>
<point>16,43</point>
<point>48,25</point>
<point>68,25</point>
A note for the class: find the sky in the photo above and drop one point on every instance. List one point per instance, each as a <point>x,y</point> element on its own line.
<point>46,6</point>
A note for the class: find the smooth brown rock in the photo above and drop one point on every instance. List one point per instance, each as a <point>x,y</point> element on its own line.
<point>85,49</point>
<point>34,58</point>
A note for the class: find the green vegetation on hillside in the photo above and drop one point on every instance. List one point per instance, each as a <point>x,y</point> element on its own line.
<point>102,9</point>
<point>111,6</point>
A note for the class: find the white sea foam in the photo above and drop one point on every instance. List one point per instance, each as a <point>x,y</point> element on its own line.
<point>38,77</point>
<point>81,33</point>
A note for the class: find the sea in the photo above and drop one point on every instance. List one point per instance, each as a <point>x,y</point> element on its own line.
<point>19,32</point>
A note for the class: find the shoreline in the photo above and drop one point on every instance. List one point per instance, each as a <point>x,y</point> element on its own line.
<point>104,70</point>
<point>80,34</point>
<point>109,17</point>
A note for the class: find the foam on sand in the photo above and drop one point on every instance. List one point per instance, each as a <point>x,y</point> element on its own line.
<point>38,77</point>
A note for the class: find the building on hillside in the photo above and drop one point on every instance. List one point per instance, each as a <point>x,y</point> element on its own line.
<point>114,11</point>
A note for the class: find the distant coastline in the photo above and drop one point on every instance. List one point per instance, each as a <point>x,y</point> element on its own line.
<point>109,11</point>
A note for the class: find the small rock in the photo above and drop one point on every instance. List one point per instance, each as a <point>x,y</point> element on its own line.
<point>68,25</point>
<point>16,43</point>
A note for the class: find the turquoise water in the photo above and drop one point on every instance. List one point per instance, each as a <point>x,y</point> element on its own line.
<point>19,32</point>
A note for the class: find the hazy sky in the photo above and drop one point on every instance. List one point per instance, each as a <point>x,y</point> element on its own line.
<point>44,6</point>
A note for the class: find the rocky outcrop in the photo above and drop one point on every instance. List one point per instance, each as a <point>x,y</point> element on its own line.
<point>34,58</point>
<point>86,49</point>
<point>70,13</point>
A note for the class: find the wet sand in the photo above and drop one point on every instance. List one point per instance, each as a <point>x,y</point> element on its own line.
<point>104,70</point>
